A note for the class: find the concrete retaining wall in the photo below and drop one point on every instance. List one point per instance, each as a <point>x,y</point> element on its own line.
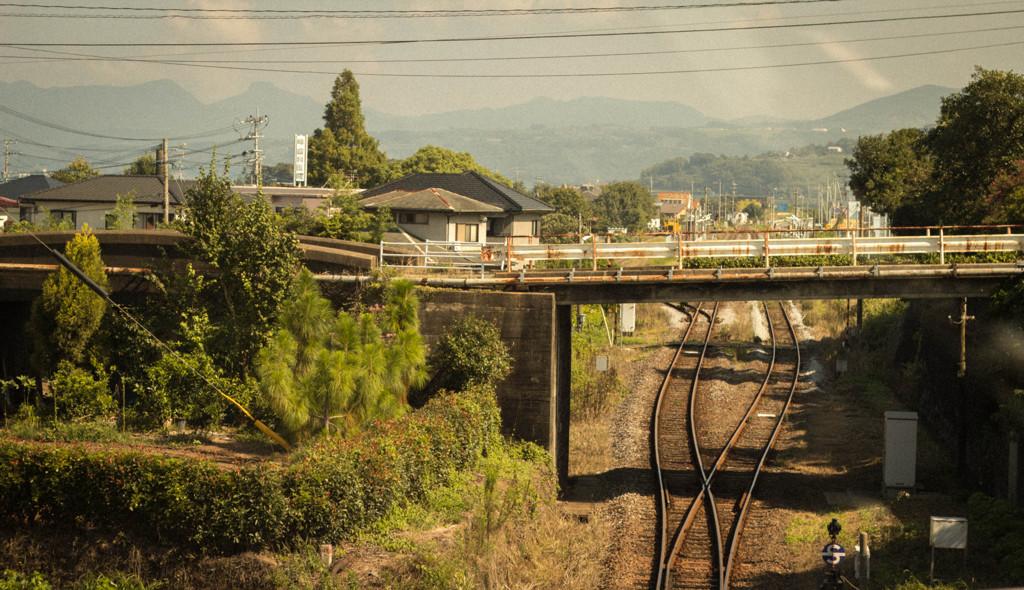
<point>527,322</point>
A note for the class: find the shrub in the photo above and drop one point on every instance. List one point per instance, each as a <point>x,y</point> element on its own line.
<point>470,353</point>
<point>327,492</point>
<point>79,394</point>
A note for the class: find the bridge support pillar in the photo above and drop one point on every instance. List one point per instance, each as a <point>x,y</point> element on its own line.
<point>563,388</point>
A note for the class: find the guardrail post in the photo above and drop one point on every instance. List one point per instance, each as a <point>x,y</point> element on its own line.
<point>593,250</point>
<point>679,249</point>
<point>508,252</point>
<point>853,241</point>
<point>766,252</point>
<point>382,253</point>
<point>942,246</point>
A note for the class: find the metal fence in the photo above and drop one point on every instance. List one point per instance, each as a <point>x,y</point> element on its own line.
<point>520,252</point>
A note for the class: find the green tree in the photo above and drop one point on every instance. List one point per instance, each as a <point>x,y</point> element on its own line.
<point>253,261</point>
<point>890,173</point>
<point>66,315</point>
<point>438,160</point>
<point>470,353</point>
<point>626,204</point>
<point>1006,195</point>
<point>343,146</point>
<point>979,134</point>
<point>143,165</point>
<point>346,220</point>
<point>75,171</point>
<point>123,216</point>
<point>322,371</point>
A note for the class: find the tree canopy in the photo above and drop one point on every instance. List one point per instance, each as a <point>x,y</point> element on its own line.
<point>143,165</point>
<point>342,145</point>
<point>438,160</point>
<point>67,314</point>
<point>625,204</point>
<point>75,171</point>
<point>890,173</point>
<point>964,171</point>
<point>254,261</point>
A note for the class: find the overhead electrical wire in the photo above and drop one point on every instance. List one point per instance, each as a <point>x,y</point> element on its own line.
<point>138,12</point>
<point>521,37</point>
<point>72,56</point>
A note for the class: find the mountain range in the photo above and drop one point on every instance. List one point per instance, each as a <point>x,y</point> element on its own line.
<point>588,139</point>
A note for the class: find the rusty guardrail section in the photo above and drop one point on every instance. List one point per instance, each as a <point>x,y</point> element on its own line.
<point>521,252</point>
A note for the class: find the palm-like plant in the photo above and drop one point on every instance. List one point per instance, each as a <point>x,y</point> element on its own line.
<point>324,371</point>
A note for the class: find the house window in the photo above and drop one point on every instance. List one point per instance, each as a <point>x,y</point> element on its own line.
<point>152,220</point>
<point>467,232</point>
<point>65,216</point>
<point>535,227</point>
<point>407,217</point>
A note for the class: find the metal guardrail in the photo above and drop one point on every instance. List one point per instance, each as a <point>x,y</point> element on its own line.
<point>514,253</point>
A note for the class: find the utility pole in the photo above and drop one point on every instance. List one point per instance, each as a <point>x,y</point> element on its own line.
<point>256,158</point>
<point>7,158</point>
<point>161,170</point>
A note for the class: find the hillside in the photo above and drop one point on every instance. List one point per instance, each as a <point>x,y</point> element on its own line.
<point>589,139</point>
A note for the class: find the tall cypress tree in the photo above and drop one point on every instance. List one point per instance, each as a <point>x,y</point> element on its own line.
<point>342,146</point>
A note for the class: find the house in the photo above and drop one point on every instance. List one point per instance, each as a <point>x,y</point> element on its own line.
<point>515,213</point>
<point>436,214</point>
<point>89,201</point>
<point>12,191</point>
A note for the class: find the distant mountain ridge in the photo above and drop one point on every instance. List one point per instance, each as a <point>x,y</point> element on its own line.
<point>581,140</point>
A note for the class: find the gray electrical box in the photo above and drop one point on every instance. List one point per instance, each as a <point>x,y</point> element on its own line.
<point>627,315</point>
<point>948,532</point>
<point>900,460</point>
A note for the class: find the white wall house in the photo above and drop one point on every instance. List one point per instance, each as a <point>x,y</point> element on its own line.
<point>435,214</point>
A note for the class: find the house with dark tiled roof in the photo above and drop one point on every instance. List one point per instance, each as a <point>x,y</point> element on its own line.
<point>515,213</point>
<point>11,192</point>
<point>89,201</point>
<point>436,214</point>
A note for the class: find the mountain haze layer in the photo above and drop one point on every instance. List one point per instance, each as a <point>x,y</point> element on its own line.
<point>572,141</point>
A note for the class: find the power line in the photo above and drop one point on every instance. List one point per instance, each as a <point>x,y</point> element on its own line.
<point>88,57</point>
<point>135,12</point>
<point>524,37</point>
<point>66,129</point>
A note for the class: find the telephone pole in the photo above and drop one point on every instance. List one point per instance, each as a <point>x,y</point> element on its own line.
<point>163,173</point>
<point>7,158</point>
<point>256,157</point>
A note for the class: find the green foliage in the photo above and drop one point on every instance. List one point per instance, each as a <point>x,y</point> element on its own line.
<point>327,492</point>
<point>253,260</point>
<point>67,313</point>
<point>143,165</point>
<point>347,220</point>
<point>324,371</point>
<point>45,221</point>
<point>123,216</point>
<point>625,204</point>
<point>470,353</point>
<point>437,160</point>
<point>980,132</point>
<point>593,392</point>
<point>80,394</point>
<point>889,173</point>
<point>281,173</point>
<point>343,146</point>
<point>12,580</point>
<point>75,171</point>
<point>997,532</point>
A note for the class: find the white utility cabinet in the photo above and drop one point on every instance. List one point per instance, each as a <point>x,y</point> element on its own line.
<point>900,461</point>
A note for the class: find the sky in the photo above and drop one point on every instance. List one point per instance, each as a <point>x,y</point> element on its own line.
<point>728,59</point>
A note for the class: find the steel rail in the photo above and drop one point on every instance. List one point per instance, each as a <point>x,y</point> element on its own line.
<point>663,493</point>
<point>745,505</point>
<point>665,566</point>
<point>725,554</point>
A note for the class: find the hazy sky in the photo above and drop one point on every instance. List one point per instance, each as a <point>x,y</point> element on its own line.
<point>794,59</point>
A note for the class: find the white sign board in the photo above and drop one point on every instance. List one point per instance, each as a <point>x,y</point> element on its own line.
<point>299,163</point>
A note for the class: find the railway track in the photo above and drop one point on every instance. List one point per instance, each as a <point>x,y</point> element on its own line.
<point>710,445</point>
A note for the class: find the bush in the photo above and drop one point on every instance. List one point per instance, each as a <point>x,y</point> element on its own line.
<point>327,492</point>
<point>470,353</point>
<point>78,394</point>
